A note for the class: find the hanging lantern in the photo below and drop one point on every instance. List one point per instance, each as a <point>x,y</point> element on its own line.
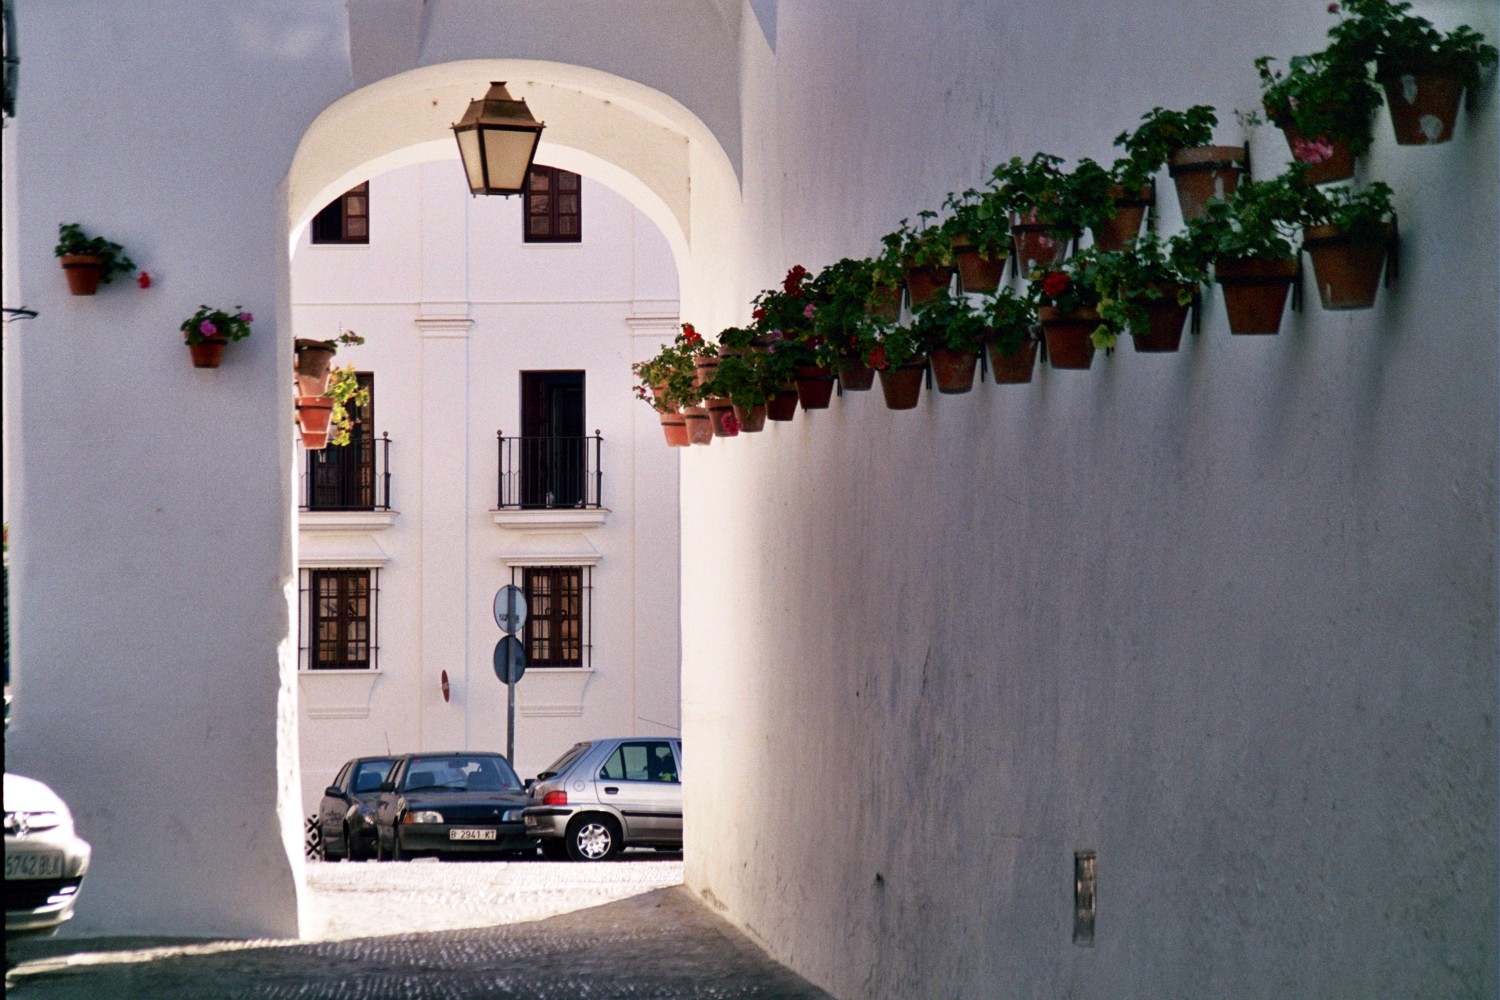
<point>497,138</point>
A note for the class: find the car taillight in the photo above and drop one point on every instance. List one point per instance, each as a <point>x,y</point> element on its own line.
<point>555,799</point>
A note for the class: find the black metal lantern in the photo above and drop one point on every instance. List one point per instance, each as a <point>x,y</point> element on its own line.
<point>497,139</point>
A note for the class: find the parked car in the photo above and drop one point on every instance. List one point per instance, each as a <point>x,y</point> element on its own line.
<point>45,859</point>
<point>603,796</point>
<point>346,816</point>
<point>450,803</point>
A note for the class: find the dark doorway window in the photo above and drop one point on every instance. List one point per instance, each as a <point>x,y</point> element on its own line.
<point>342,477</point>
<point>554,206</point>
<point>554,631</point>
<point>340,619</point>
<point>553,458</point>
<point>346,219</point>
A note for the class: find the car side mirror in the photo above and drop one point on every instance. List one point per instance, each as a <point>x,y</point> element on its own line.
<point>334,790</point>
<point>387,786</point>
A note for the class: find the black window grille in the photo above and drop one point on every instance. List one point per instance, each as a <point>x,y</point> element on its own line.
<point>354,476</point>
<point>554,206</point>
<point>339,619</point>
<point>558,614</point>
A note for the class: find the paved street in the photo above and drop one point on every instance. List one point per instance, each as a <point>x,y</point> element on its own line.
<point>442,930</point>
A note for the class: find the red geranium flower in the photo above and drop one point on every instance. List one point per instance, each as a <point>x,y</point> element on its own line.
<point>877,358</point>
<point>758,314</point>
<point>144,280</point>
<point>1054,283</point>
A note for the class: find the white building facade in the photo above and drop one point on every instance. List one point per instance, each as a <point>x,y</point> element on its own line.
<point>498,448</point>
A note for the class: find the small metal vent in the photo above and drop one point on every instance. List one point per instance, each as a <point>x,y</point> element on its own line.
<point>1084,897</point>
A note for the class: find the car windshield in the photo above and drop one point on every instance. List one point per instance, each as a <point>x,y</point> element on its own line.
<point>471,773</point>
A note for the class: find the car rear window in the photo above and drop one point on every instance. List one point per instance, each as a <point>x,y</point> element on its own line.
<point>369,775</point>
<point>562,763</point>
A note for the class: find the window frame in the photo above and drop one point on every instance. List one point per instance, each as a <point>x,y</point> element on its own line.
<point>337,214</point>
<point>581,619</point>
<point>553,215</point>
<point>309,658</point>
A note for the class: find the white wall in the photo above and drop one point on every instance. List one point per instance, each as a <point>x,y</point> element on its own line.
<point>534,307</point>
<point>1226,617</point>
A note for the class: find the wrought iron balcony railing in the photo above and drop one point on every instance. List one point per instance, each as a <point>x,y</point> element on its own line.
<point>550,472</point>
<point>355,476</point>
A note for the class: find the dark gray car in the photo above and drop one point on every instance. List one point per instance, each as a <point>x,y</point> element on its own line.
<point>605,795</point>
<point>346,816</point>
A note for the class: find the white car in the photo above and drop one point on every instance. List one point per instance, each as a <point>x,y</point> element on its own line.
<point>45,860</point>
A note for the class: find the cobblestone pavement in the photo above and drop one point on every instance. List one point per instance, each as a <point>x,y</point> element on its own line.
<point>446,930</point>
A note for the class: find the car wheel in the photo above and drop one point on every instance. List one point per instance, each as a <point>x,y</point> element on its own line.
<point>554,850</point>
<point>351,846</point>
<point>593,838</point>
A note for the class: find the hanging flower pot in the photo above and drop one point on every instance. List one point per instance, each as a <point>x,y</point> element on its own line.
<point>1015,367</point>
<point>1327,160</point>
<point>953,371</point>
<point>314,440</point>
<point>1346,270</point>
<point>814,386</point>
<point>314,415</point>
<point>721,417</point>
<point>1070,342</point>
<point>885,303</point>
<point>1423,102</point>
<point>1125,224</point>
<point>1255,292</point>
<point>977,272</point>
<point>1037,244</point>
<point>208,352</point>
<point>699,427</point>
<point>313,360</point>
<point>783,406</point>
<point>924,282</point>
<point>1165,318</point>
<point>704,368</point>
<point>902,387</point>
<point>83,271</point>
<point>752,418</point>
<point>674,427</point>
<point>856,376</point>
<point>1205,173</point>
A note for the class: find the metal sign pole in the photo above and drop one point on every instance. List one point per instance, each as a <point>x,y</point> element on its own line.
<point>510,722</point>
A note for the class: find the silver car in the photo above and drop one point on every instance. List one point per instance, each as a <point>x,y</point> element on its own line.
<point>45,859</point>
<point>605,795</point>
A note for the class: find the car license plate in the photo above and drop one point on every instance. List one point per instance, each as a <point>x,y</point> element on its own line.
<point>471,834</point>
<point>33,864</point>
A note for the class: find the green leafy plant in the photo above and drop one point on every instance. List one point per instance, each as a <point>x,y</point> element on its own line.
<point>1388,34</point>
<point>976,219</point>
<point>348,397</point>
<point>1072,287</point>
<point>948,322</point>
<point>1262,221</point>
<point>667,380</point>
<point>843,293</point>
<point>747,379</point>
<point>897,347</point>
<point>1067,201</point>
<point>210,322</point>
<point>71,239</point>
<point>1163,132</point>
<point>1010,319</point>
<point>1326,95</point>
<point>345,338</point>
<point>928,244</point>
<point>1147,270</point>
<point>1364,215</point>
<point>783,321</point>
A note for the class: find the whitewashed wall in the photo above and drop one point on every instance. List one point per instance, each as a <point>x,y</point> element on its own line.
<point>534,307</point>
<point>1226,617</point>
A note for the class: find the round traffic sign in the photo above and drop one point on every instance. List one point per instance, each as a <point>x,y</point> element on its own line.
<point>510,608</point>
<point>510,660</point>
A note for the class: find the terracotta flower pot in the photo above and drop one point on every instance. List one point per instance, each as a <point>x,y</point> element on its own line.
<point>314,417</point>
<point>700,429</point>
<point>814,386</point>
<point>752,418</point>
<point>902,387</point>
<point>1255,292</point>
<point>977,272</point>
<point>314,358</point>
<point>885,303</point>
<point>1203,174</point>
<point>1037,245</point>
<point>1016,367</point>
<point>83,271</point>
<point>704,369</point>
<point>1165,320</point>
<point>208,352</point>
<point>925,282</point>
<point>718,410</point>
<point>1125,224</point>
<point>953,371</point>
<point>856,376</point>
<point>1338,167</point>
<point>783,406</point>
<point>1070,342</point>
<point>674,427</point>
<point>1423,102</point>
<point>1347,272</point>
<point>314,440</point>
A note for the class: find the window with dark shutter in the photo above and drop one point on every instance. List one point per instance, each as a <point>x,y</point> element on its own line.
<point>554,206</point>
<point>346,219</point>
<point>339,614</point>
<point>554,631</point>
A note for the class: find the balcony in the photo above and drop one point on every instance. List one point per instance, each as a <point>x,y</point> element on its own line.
<point>351,477</point>
<point>549,473</point>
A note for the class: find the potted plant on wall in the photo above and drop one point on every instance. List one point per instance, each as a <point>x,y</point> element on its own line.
<point>1325,105</point>
<point>981,239</point>
<point>1049,208</point>
<point>952,334</point>
<point>668,381</point>
<point>1146,288</point>
<point>1250,241</point>
<point>1423,71</point>
<point>746,379</point>
<point>924,255</point>
<point>89,261</point>
<point>1348,235</point>
<point>313,358</point>
<point>783,322</point>
<point>208,330</point>
<point>900,364</point>
<point>1068,308</point>
<point>1010,335</point>
<point>844,321</point>
<point>1128,188</point>
<point>1182,141</point>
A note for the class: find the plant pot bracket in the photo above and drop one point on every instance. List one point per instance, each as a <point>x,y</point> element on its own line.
<point>1393,253</point>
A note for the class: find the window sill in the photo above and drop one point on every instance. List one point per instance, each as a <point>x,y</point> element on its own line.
<point>555,519</point>
<point>345,520</point>
<point>552,692</point>
<point>337,694</point>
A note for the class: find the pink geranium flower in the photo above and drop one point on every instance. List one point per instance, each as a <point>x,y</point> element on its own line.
<point>207,328</point>
<point>731,424</point>
<point>1312,150</point>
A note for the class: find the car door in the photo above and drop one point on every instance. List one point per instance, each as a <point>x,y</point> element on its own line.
<point>640,778</point>
<point>331,810</point>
